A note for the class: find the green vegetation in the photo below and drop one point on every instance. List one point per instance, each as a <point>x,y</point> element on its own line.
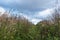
<point>17,28</point>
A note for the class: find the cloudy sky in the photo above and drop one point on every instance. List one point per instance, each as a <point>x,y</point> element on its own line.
<point>33,10</point>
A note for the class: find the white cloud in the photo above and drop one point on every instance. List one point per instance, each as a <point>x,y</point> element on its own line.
<point>35,21</point>
<point>2,10</point>
<point>45,13</point>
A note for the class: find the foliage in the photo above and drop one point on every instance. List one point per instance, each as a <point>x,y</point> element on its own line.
<point>19,28</point>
